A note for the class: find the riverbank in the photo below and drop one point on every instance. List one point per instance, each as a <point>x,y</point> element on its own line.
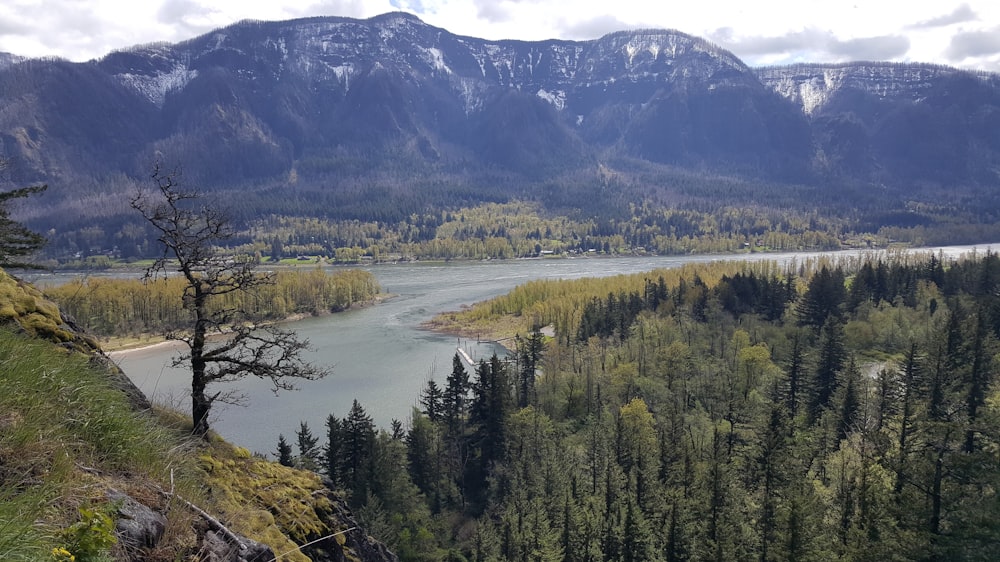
<point>450,323</point>
<point>383,356</point>
<point>120,346</point>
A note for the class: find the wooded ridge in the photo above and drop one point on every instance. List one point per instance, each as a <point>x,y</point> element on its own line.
<point>392,123</point>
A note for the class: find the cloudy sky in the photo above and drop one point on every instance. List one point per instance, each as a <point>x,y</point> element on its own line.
<point>952,32</point>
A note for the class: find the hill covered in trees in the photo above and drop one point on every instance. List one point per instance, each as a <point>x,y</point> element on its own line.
<point>832,411</point>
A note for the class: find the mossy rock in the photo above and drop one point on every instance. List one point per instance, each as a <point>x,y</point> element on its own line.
<point>42,326</point>
<point>268,502</point>
<point>7,312</point>
<point>24,305</point>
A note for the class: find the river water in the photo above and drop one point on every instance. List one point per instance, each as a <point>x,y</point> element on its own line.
<point>378,354</point>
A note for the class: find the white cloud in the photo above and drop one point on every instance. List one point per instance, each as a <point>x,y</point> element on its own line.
<point>961,14</point>
<point>974,44</point>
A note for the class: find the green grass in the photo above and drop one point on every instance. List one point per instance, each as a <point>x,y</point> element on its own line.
<point>20,539</point>
<point>65,436</point>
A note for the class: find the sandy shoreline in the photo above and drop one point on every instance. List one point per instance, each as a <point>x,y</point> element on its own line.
<point>127,350</point>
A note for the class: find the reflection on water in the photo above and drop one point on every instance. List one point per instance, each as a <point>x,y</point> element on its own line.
<point>379,355</point>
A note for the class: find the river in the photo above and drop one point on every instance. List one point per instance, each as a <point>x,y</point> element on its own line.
<point>379,355</point>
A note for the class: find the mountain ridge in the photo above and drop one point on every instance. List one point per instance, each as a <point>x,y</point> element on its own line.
<point>588,83</point>
<point>345,109</point>
<point>794,81</point>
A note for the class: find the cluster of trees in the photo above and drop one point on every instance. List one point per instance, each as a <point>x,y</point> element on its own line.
<point>860,422</point>
<point>514,229</point>
<point>676,214</point>
<point>120,307</point>
<point>743,293</point>
<point>519,229</point>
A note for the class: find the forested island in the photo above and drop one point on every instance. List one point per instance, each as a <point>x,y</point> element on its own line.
<point>833,409</point>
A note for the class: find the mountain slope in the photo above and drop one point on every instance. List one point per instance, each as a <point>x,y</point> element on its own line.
<point>257,96</point>
<point>378,119</point>
<point>910,122</point>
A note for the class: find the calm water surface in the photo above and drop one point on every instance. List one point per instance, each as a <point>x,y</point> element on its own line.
<point>379,354</point>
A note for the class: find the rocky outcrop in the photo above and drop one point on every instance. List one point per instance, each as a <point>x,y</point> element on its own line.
<point>349,544</point>
<point>287,508</point>
<point>137,527</point>
<point>217,547</point>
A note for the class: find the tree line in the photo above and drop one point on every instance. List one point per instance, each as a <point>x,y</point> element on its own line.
<point>515,229</point>
<point>119,307</point>
<point>844,410</point>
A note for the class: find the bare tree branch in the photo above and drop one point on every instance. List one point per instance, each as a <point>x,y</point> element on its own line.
<point>190,234</point>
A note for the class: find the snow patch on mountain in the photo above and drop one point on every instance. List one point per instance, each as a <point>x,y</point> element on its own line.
<point>435,58</point>
<point>8,59</point>
<point>556,98</point>
<point>812,85</point>
<point>472,91</point>
<point>156,87</point>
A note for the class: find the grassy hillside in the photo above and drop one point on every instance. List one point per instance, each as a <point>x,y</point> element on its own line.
<point>69,436</point>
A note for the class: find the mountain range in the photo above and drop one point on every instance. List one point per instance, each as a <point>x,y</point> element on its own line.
<point>360,109</point>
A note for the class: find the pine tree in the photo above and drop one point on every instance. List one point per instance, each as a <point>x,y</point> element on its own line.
<point>862,287</point>
<point>455,401</point>
<point>978,379</point>
<point>832,355</point>
<point>431,400</point>
<point>390,479</point>
<point>908,390</point>
<point>424,459</point>
<point>492,403</point>
<point>359,439</point>
<point>771,474</point>
<point>571,542</point>
<point>796,375</point>
<point>637,537</point>
<point>16,241</point>
<point>717,502</point>
<point>396,430</point>
<point>309,452</point>
<point>333,450</point>
<point>284,451</point>
<point>849,401</point>
<point>677,548</point>
<point>823,298</point>
<point>529,353</point>
<point>638,450</point>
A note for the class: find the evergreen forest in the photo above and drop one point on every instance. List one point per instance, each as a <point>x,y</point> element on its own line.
<point>828,410</point>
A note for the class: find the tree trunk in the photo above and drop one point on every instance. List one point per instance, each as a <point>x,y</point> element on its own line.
<point>935,523</point>
<point>201,403</point>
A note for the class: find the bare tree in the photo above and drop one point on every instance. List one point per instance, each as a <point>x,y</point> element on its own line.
<point>190,232</point>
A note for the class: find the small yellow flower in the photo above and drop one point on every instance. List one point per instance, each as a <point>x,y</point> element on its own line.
<point>62,555</point>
